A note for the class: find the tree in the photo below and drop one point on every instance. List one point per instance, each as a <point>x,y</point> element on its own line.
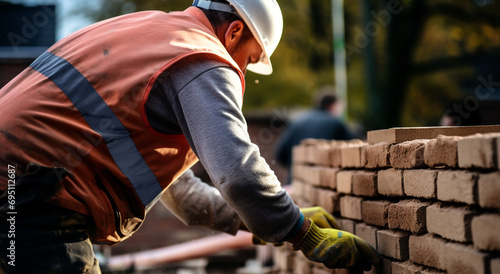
<point>422,49</point>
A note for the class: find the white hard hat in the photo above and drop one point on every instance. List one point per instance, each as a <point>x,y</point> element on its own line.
<point>264,19</point>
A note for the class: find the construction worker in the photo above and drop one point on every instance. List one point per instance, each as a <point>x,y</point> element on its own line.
<point>322,122</point>
<point>97,128</point>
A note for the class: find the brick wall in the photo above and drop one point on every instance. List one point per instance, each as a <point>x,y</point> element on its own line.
<point>427,205</point>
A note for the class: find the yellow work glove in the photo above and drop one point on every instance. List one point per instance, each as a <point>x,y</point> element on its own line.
<point>337,249</point>
<point>318,214</point>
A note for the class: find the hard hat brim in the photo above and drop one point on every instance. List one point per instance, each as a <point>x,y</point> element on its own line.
<point>262,67</point>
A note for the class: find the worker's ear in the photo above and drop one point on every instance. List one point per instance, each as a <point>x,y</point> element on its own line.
<point>233,34</point>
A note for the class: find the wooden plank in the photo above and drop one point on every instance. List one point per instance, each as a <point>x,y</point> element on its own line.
<point>402,134</point>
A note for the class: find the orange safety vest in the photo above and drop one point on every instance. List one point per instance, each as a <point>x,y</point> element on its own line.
<point>81,106</point>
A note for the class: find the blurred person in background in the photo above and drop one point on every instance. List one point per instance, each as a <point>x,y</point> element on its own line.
<point>323,122</point>
<point>458,113</point>
<point>109,120</point>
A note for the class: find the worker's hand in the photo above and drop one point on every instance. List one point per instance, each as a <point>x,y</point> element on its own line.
<point>337,249</point>
<point>320,217</point>
<point>318,214</point>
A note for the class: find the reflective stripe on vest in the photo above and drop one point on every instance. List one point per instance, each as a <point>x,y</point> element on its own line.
<point>95,110</point>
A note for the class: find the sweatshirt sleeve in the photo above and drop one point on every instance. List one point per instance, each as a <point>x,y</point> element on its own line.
<point>196,203</point>
<point>208,110</point>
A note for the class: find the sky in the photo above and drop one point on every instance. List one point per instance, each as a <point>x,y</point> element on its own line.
<point>67,20</point>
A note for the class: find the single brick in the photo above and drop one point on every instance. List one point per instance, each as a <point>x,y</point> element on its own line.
<point>347,225</point>
<point>367,233</point>
<point>309,154</point>
<point>364,183</point>
<point>301,264</point>
<point>376,156</point>
<point>390,182</point>
<point>486,232</point>
<point>336,156</point>
<point>298,189</point>
<point>495,266</point>
<point>350,207</point>
<point>329,200</point>
<point>450,222</point>
<point>409,154</point>
<point>488,189</point>
<point>427,250</point>
<point>457,186</point>
<point>299,154</point>
<point>477,151</point>
<point>393,244</point>
<point>407,267</point>
<point>408,215</point>
<point>313,175</point>
<point>344,181</point>
<point>442,151</point>
<point>498,153</point>
<point>420,183</point>
<point>459,258</point>
<point>386,266</point>
<point>322,155</point>
<point>351,156</point>
<point>310,193</point>
<point>336,150</point>
<point>283,259</point>
<point>296,171</point>
<point>375,212</point>
<point>329,177</point>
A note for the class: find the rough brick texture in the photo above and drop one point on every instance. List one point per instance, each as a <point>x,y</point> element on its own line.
<point>410,268</point>
<point>376,156</point>
<point>442,151</point>
<point>364,183</point>
<point>486,232</point>
<point>283,258</point>
<point>428,206</point>
<point>351,156</point>
<point>375,212</point>
<point>350,207</point>
<point>488,186</point>
<point>329,177</point>
<point>460,258</point>
<point>393,244</point>
<point>344,181</point>
<point>336,156</point>
<point>301,264</point>
<point>450,222</point>
<point>347,225</point>
<point>427,250</point>
<point>420,183</point>
<point>498,153</point>
<point>408,215</point>
<point>457,186</point>
<point>408,154</point>
<point>367,233</point>
<point>321,155</point>
<point>478,151</point>
<point>390,182</point>
<point>495,266</point>
<point>329,200</point>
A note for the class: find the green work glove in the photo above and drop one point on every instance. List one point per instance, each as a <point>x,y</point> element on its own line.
<point>319,215</point>
<point>337,249</point>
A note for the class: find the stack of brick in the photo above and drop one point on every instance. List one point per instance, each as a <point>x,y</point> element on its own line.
<point>427,205</point>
